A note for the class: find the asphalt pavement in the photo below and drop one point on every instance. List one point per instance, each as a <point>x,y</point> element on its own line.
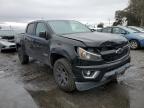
<point>33,86</point>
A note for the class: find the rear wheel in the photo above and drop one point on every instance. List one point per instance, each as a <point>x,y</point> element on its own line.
<point>134,44</point>
<point>24,59</point>
<point>63,75</point>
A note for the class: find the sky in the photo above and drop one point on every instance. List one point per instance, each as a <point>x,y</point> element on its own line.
<point>20,12</point>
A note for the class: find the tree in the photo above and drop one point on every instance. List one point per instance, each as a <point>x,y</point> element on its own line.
<point>137,8</point>
<point>134,13</point>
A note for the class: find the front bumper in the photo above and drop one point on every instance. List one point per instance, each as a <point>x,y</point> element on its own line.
<point>8,48</point>
<point>106,72</point>
<point>102,68</point>
<point>106,78</point>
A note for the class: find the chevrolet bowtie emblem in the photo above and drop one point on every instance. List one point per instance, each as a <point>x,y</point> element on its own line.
<point>119,51</point>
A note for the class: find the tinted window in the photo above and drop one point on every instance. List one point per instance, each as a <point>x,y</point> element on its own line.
<point>40,28</point>
<point>118,30</point>
<point>107,30</point>
<point>30,29</point>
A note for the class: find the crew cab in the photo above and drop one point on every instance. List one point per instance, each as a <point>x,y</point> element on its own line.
<point>80,59</point>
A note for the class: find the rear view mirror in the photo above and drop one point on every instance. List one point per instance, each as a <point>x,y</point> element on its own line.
<point>44,35</point>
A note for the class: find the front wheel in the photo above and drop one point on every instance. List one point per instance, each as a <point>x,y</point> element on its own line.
<point>134,44</point>
<point>24,59</point>
<point>63,75</point>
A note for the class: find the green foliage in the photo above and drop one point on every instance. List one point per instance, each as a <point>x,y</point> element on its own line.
<point>134,13</point>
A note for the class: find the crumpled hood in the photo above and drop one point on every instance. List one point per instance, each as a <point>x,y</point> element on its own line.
<point>95,39</point>
<point>6,43</point>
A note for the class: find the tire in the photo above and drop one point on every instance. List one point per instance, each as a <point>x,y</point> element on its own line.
<point>24,59</point>
<point>134,44</point>
<point>63,75</point>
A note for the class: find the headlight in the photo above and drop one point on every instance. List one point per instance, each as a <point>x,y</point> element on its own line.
<point>83,54</point>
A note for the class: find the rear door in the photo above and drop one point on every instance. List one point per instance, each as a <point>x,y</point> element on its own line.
<point>28,39</point>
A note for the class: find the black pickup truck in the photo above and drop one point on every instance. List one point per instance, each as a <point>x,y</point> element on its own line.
<point>80,59</point>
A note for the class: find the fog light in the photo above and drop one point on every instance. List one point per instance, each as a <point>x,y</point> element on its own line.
<point>87,74</point>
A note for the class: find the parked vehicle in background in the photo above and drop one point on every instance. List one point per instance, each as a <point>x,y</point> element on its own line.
<point>80,59</point>
<point>99,30</point>
<point>92,28</point>
<point>7,40</point>
<point>139,29</point>
<point>7,35</point>
<point>135,37</point>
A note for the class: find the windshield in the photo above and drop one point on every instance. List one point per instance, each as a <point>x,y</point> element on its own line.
<point>130,30</point>
<point>66,27</point>
<point>139,29</point>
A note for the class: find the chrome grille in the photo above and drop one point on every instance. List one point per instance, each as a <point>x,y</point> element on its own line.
<point>114,53</point>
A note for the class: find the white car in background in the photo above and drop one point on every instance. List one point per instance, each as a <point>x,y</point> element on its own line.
<point>7,40</point>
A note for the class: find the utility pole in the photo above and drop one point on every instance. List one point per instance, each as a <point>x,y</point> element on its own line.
<point>11,29</point>
<point>109,21</point>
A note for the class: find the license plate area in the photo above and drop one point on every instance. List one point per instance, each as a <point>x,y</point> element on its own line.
<point>118,71</point>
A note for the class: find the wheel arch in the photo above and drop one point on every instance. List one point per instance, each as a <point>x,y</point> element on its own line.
<point>54,56</point>
<point>135,40</point>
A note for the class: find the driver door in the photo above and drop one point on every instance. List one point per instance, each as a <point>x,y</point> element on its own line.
<point>41,45</point>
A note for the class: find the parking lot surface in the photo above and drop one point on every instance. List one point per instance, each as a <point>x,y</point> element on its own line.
<point>36,84</point>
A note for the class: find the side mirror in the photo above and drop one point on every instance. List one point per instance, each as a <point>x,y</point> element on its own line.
<point>124,33</point>
<point>44,35</point>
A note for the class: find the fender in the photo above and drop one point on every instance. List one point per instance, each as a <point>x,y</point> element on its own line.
<point>61,52</point>
<point>67,53</point>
